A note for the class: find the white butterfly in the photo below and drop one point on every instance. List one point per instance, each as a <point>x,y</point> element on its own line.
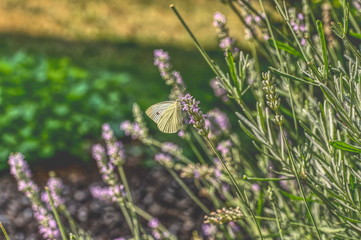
<point>167,115</point>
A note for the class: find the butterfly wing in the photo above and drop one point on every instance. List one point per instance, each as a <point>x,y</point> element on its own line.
<point>156,111</point>
<point>171,119</point>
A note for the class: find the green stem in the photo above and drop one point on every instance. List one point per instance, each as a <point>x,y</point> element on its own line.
<point>281,62</point>
<point>201,143</point>
<point>196,152</point>
<point>130,199</point>
<point>149,217</point>
<point>278,221</point>
<point>71,221</point>
<point>238,191</point>
<point>56,215</point>
<point>292,160</point>
<point>126,216</point>
<point>177,155</point>
<point>200,48</point>
<point>267,179</point>
<point>4,232</point>
<point>188,191</point>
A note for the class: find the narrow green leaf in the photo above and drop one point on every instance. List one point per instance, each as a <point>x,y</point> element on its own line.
<point>294,197</point>
<point>232,69</point>
<point>345,146</point>
<point>292,77</point>
<point>285,47</point>
<point>354,34</point>
<point>321,33</point>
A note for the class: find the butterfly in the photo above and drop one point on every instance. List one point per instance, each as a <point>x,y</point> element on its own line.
<point>167,115</point>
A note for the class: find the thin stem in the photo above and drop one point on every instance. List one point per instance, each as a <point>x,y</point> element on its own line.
<point>235,10</point>
<point>277,220</point>
<point>196,152</point>
<point>295,171</point>
<point>240,195</point>
<point>4,232</point>
<point>149,217</point>
<point>126,216</point>
<point>201,143</point>
<point>177,155</point>
<point>130,199</point>
<point>188,191</point>
<point>281,62</point>
<point>267,179</point>
<point>71,221</point>
<point>200,48</point>
<point>56,215</point>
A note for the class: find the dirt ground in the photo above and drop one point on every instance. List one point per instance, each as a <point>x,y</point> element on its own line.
<point>154,190</point>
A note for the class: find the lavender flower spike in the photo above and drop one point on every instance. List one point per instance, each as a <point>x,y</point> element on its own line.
<point>115,150</point>
<point>20,170</point>
<point>55,186</point>
<point>162,61</point>
<point>225,41</point>
<point>190,105</point>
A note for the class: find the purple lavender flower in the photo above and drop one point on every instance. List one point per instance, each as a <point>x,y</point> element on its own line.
<point>209,230</point>
<point>303,42</point>
<point>248,19</point>
<point>162,61</point>
<point>169,147</point>
<point>225,41</point>
<point>55,186</point>
<point>133,130</point>
<point>256,188</point>
<point>181,134</point>
<point>20,170</point>
<point>219,20</point>
<point>114,193</point>
<point>257,19</point>
<point>217,121</point>
<point>299,26</point>
<point>218,90</point>
<point>47,225</point>
<point>153,223</point>
<point>107,132</point>
<point>164,159</point>
<point>224,147</point>
<point>115,150</point>
<point>357,4</point>
<point>106,168</point>
<point>300,16</point>
<point>196,117</point>
<point>234,227</point>
<point>196,174</point>
<point>156,234</point>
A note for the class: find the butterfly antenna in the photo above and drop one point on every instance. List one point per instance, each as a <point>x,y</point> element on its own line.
<point>181,92</point>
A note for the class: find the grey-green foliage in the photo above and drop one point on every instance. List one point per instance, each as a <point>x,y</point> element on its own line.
<point>320,147</point>
<point>306,123</point>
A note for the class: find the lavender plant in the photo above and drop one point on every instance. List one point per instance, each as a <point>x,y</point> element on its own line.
<point>297,175</point>
<point>304,127</point>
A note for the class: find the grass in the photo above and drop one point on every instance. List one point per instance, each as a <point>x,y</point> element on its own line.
<point>141,21</point>
<point>116,36</point>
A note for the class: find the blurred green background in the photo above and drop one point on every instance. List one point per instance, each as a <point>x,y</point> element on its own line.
<point>67,66</point>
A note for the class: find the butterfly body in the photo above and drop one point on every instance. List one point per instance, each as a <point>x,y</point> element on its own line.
<point>167,115</point>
